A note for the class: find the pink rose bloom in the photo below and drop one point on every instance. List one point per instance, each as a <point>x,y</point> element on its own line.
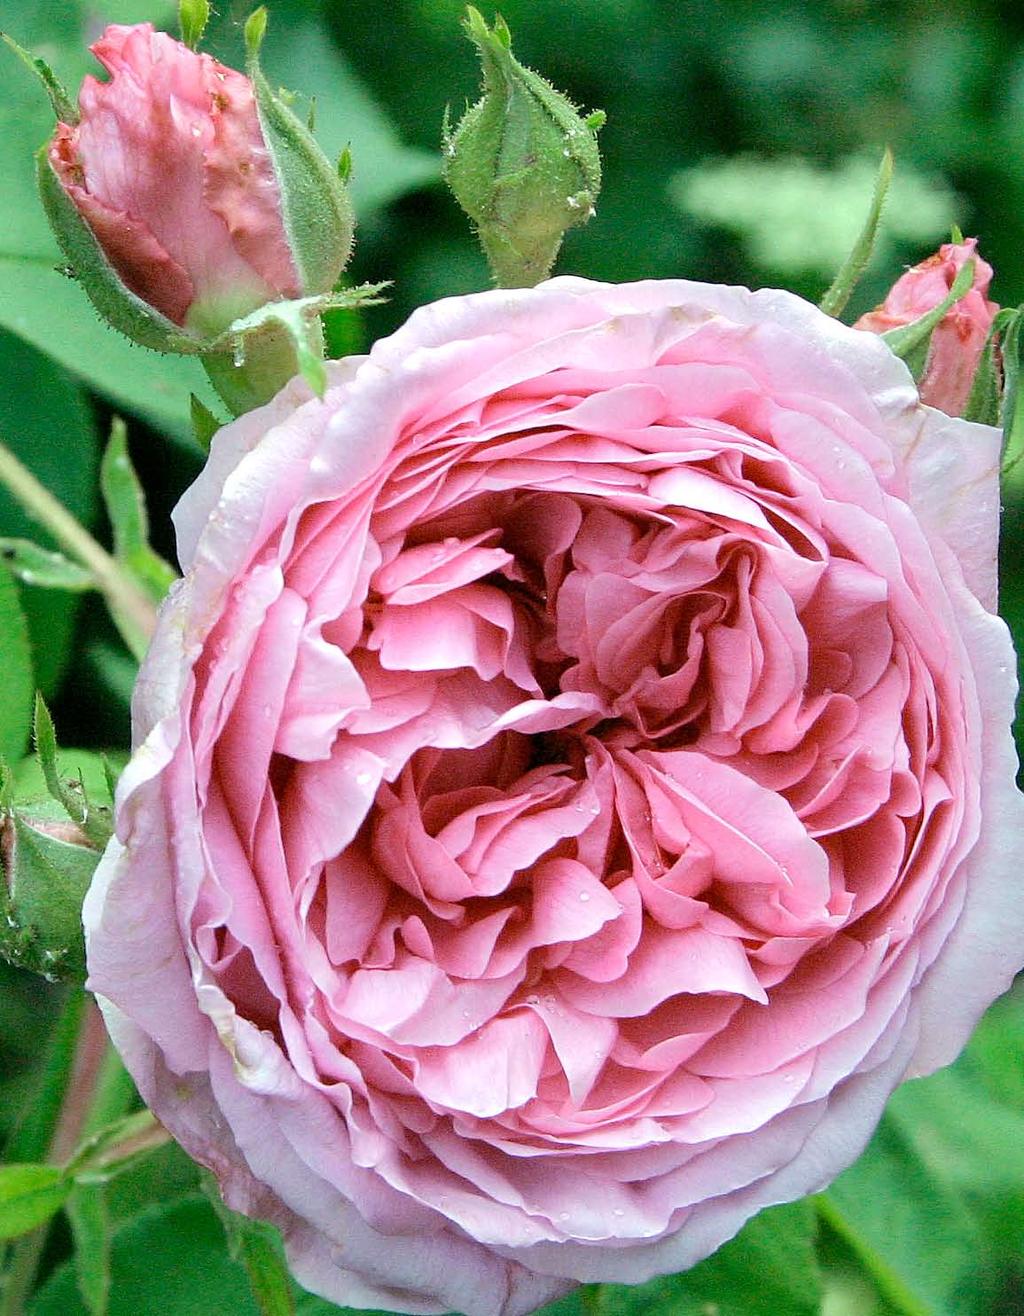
<point>573,787</point>
<point>959,338</point>
<point>169,169</point>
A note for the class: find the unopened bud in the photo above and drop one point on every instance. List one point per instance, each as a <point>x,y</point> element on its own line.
<point>948,357</point>
<point>187,196</point>
<point>47,864</point>
<point>522,163</point>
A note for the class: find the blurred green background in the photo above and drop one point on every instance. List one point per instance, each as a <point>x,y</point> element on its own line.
<point>741,142</point>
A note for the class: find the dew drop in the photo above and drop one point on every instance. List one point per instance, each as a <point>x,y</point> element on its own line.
<point>267,711</point>
<point>533,1000</point>
<point>584,896</point>
<point>563,1215</point>
<point>618,1211</point>
<point>364,777</point>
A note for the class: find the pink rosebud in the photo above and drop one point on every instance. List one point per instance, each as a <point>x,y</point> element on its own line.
<point>959,338</point>
<point>171,170</point>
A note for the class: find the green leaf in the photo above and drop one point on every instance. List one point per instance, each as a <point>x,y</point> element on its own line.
<point>32,1136</point>
<point>47,422</point>
<point>768,1269</point>
<point>46,753</point>
<point>193,15</point>
<point>992,1060</point>
<point>906,1225</point>
<point>33,565</point>
<point>148,384</point>
<point>29,1196</point>
<point>90,1230</point>
<point>204,423</point>
<point>258,1247</point>
<point>126,507</point>
<point>85,765</point>
<point>172,1260</point>
<point>16,665</point>
<point>159,1178</point>
<point>94,821</point>
<point>849,273</point>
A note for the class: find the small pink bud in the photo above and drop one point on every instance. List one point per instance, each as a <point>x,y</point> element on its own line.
<point>169,168</point>
<point>959,338</point>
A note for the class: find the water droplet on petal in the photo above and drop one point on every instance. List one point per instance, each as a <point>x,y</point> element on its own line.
<point>584,896</point>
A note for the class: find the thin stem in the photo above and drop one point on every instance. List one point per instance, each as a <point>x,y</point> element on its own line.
<point>889,1284</point>
<point>78,1095</point>
<point>133,613</point>
<point>267,359</point>
<point>848,276</point>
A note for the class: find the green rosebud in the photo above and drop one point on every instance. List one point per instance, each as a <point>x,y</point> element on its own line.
<point>522,163</point>
<point>47,863</point>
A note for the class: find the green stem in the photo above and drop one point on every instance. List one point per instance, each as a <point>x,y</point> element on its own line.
<point>848,276</point>
<point>513,268</point>
<point>887,1281</point>
<point>265,361</point>
<point>133,613</point>
<point>592,1297</point>
<point>78,1088</point>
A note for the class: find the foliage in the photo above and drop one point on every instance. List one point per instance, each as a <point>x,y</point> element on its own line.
<point>707,107</point>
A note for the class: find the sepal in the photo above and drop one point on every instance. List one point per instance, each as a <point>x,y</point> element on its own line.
<point>315,206</point>
<point>256,355</point>
<point>63,106</point>
<point>47,864</point>
<point>910,342</point>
